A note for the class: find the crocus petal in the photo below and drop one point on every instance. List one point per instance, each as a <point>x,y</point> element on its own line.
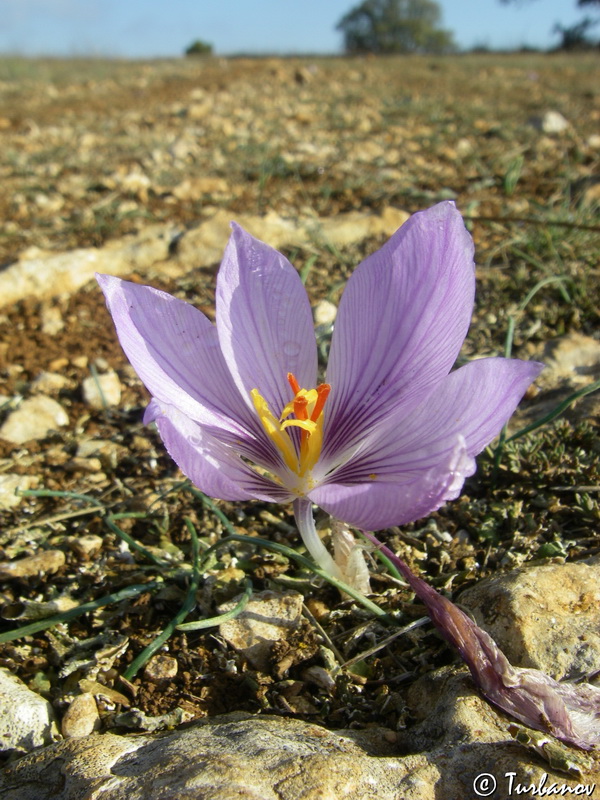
<point>379,501</point>
<point>401,322</point>
<point>175,351</point>
<point>213,467</point>
<point>475,402</point>
<point>264,321</point>
<point>413,459</point>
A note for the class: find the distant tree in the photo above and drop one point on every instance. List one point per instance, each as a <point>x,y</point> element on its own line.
<point>199,48</point>
<point>395,26</point>
<point>574,37</point>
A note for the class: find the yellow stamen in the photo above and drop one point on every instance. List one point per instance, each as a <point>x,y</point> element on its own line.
<point>307,408</point>
<point>306,425</point>
<point>273,430</point>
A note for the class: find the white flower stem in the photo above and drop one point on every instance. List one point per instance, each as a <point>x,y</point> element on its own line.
<point>310,537</point>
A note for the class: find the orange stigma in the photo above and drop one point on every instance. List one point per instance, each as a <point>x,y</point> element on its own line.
<point>323,393</point>
<point>307,410</point>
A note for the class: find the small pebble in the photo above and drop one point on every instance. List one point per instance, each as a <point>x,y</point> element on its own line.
<point>9,484</point>
<point>52,321</point>
<point>594,141</point>
<point>46,562</point>
<point>85,546</point>
<point>87,465</point>
<point>320,677</point>
<point>81,718</point>
<point>102,390</point>
<point>26,719</point>
<point>106,451</point>
<point>58,363</point>
<point>268,617</point>
<point>324,313</point>
<point>161,668</point>
<point>102,364</point>
<point>49,383</point>
<point>552,122</point>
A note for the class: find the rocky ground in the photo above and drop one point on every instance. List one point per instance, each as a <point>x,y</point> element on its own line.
<point>136,169</point>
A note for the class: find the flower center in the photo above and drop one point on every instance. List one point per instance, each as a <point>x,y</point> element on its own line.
<point>307,409</point>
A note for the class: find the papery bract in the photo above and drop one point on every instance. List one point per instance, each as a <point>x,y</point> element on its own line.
<point>387,438</point>
<point>569,711</point>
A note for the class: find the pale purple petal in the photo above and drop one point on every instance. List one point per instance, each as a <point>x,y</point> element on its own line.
<point>377,501</point>
<point>570,712</point>
<point>402,320</point>
<point>175,351</point>
<point>415,462</point>
<point>264,321</point>
<point>475,402</point>
<point>213,467</point>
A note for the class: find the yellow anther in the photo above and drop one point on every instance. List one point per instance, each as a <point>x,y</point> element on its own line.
<point>305,424</point>
<point>307,408</point>
<point>273,430</point>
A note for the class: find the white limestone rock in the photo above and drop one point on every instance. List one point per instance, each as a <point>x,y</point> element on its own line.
<point>40,273</point>
<point>268,617</point>
<point>550,123</point>
<point>546,617</point>
<point>49,383</point>
<point>26,719</point>
<point>33,419</point>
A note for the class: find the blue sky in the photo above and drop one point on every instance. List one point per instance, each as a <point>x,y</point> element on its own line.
<point>146,28</point>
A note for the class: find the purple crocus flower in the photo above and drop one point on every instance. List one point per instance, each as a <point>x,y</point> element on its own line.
<point>390,436</point>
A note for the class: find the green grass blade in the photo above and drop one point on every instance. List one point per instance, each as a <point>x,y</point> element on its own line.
<point>134,544</point>
<point>394,572</point>
<point>73,613</point>
<point>305,271</point>
<point>211,622</point>
<point>208,503</point>
<point>508,344</point>
<point>67,495</point>
<point>156,644</point>
<point>188,605</point>
<point>560,279</point>
<point>556,412</point>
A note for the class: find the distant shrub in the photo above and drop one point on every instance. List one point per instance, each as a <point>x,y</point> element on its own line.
<point>576,37</point>
<point>199,48</point>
